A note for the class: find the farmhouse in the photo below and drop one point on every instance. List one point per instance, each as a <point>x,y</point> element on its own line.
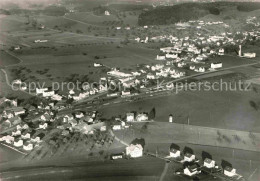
<point>134,151</point>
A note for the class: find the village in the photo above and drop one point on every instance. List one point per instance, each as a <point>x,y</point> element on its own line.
<point>54,122</point>
<point>34,133</point>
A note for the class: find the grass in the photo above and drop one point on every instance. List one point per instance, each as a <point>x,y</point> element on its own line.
<point>219,109</point>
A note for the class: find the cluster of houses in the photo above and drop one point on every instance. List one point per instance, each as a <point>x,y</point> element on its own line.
<point>129,118</point>
<point>25,127</point>
<point>192,166</point>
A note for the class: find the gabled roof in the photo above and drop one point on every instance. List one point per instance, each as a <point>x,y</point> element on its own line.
<point>207,160</point>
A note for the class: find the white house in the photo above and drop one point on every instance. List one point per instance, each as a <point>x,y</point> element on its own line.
<point>79,114</point>
<point>191,170</point>
<point>18,142</point>
<point>209,163</point>
<point>142,117</point>
<point>103,128</point>
<point>160,57</point>
<point>215,65</point>
<point>170,116</point>
<point>125,93</point>
<point>230,172</point>
<point>43,125</point>
<point>130,117</point>
<point>40,90</point>
<point>249,55</point>
<point>28,146</point>
<point>8,139</point>
<point>171,55</point>
<point>189,157</point>
<point>134,151</point>
<point>221,51</point>
<point>37,137</point>
<point>17,132</point>
<point>174,153</point>
<point>116,156</point>
<point>107,13</point>
<point>116,127</point>
<point>25,135</point>
<point>48,94</point>
<point>150,76</point>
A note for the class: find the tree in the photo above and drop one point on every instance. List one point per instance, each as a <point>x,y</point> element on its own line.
<point>151,115</point>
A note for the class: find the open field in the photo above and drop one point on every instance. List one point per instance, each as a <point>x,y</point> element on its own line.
<point>220,109</point>
<point>6,154</point>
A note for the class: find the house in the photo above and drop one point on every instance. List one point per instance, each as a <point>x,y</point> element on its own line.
<point>8,139</point>
<point>116,73</point>
<point>79,114</point>
<point>215,65</point>
<point>107,13</point>
<point>209,163</point>
<point>229,171</point>
<point>130,117</point>
<point>125,93</point>
<point>48,94</point>
<point>65,132</point>
<point>188,157</point>
<point>142,117</point>
<point>116,127</point>
<point>199,69</point>
<point>18,142</point>
<point>170,116</point>
<point>67,118</point>
<point>37,137</point>
<point>221,51</point>
<point>116,156</point>
<point>103,128</point>
<point>15,120</point>
<point>17,81</point>
<point>192,67</point>
<point>16,132</point>
<point>171,55</point>
<point>40,90</point>
<point>134,151</point>
<point>15,111</point>
<point>28,146</point>
<point>191,170</point>
<point>160,57</point>
<point>43,125</point>
<point>25,135</point>
<point>73,122</point>
<point>150,76</point>
<point>175,153</point>
<point>97,65</point>
<point>249,55</point>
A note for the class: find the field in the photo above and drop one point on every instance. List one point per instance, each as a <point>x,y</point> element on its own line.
<point>219,109</point>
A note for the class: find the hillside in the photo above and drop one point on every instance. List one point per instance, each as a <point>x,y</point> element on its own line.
<point>191,11</point>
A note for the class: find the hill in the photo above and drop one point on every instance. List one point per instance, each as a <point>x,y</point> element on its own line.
<point>191,11</point>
